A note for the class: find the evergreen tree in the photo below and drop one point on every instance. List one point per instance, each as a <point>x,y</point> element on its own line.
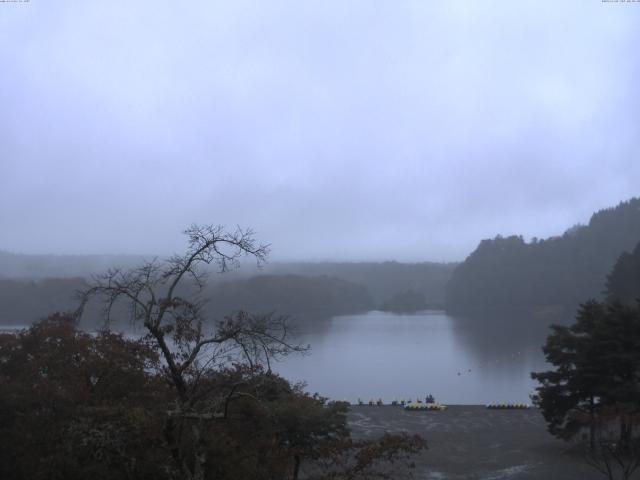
<point>623,283</point>
<point>597,370</point>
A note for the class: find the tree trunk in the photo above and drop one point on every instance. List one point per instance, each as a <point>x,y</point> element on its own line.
<point>296,466</point>
<point>169,432</point>
<point>592,424</point>
<point>200,454</point>
<point>625,433</point>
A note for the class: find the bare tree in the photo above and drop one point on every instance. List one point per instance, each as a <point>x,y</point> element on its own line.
<point>190,345</point>
<point>612,459</point>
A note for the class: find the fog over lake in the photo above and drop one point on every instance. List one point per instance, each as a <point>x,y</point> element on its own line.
<point>389,356</point>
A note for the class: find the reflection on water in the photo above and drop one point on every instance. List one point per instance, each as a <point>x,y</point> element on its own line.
<point>458,360</point>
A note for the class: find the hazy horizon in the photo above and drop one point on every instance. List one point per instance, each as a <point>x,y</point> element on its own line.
<point>271,260</point>
<point>358,131</point>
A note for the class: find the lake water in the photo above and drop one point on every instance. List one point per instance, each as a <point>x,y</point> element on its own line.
<point>382,355</point>
<point>375,355</point>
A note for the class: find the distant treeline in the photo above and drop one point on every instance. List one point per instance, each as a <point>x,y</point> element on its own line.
<point>385,280</point>
<point>509,272</point>
<point>23,302</point>
<point>503,273</point>
<point>33,286</point>
<point>294,295</point>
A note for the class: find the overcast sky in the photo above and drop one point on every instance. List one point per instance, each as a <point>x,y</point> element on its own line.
<point>336,129</point>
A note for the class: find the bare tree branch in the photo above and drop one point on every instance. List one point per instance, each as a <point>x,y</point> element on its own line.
<point>179,328</point>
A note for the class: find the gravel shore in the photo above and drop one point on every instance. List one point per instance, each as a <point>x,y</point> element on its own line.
<point>473,442</point>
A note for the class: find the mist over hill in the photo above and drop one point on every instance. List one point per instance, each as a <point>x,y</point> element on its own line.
<point>32,286</point>
<point>504,272</point>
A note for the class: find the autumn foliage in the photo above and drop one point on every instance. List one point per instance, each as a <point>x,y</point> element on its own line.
<point>75,405</point>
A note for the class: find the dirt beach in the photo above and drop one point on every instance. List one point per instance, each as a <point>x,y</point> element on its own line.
<point>473,442</point>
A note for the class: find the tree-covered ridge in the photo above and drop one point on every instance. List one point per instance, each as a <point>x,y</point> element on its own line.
<point>564,270</point>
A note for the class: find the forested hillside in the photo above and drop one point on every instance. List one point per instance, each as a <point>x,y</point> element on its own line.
<point>564,270</point>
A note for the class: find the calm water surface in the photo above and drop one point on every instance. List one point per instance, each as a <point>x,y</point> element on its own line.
<point>389,356</point>
<point>383,355</point>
